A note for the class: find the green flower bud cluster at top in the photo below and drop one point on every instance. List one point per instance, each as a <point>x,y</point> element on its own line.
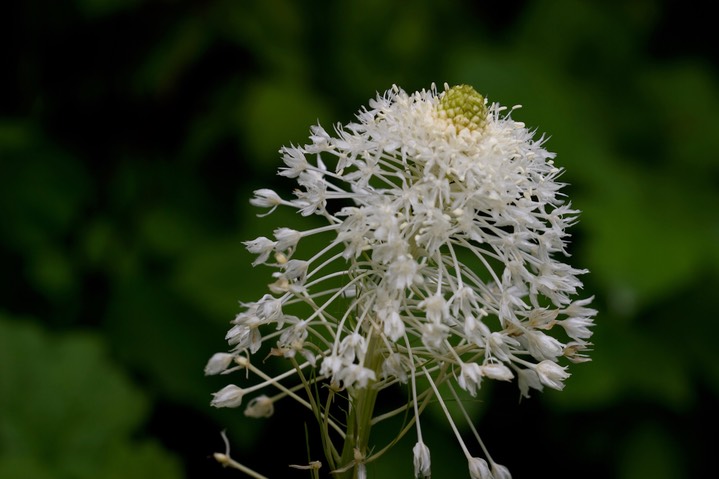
<point>464,107</point>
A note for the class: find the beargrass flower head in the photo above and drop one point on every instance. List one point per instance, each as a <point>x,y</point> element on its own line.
<point>439,255</point>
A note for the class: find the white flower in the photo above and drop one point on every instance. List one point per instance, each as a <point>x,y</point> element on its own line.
<point>497,371</point>
<point>440,254</point>
<point>262,247</point>
<point>244,338</point>
<point>542,346</point>
<point>352,347</point>
<point>402,272</point>
<point>229,396</point>
<point>395,366</point>
<point>528,378</point>
<point>422,460</point>
<point>266,198</point>
<point>259,407</point>
<point>470,377</point>
<point>387,310</point>
<point>355,376</point>
<point>287,238</point>
<point>218,363</point>
<point>551,374</point>
<point>479,469</point>
<point>579,320</point>
<point>500,472</point>
<point>577,328</point>
<point>435,308</point>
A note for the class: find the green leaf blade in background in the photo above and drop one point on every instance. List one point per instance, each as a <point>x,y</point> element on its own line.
<point>67,411</point>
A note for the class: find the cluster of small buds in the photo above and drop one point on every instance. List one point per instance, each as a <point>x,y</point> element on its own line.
<point>439,258</point>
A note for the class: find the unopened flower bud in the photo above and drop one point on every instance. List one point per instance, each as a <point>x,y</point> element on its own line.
<point>422,460</point>
<point>479,469</point>
<point>229,396</point>
<point>259,407</point>
<point>218,363</point>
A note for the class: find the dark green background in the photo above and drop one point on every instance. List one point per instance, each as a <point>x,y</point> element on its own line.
<point>133,132</point>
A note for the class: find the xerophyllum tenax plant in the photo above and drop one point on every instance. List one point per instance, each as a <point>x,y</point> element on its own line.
<point>437,265</point>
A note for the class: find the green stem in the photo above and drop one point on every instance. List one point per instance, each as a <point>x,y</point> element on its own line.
<point>359,421</point>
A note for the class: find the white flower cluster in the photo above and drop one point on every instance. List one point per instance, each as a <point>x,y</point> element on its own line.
<point>440,255</point>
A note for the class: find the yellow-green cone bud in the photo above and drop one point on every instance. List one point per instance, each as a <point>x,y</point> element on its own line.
<point>464,107</point>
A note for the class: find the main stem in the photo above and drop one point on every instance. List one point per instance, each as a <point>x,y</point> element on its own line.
<point>359,420</point>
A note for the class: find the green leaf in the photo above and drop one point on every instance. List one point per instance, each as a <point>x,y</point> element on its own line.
<point>180,46</point>
<point>276,114</point>
<point>650,452</point>
<point>684,102</point>
<point>66,408</point>
<point>646,238</point>
<point>42,189</point>
<point>23,467</point>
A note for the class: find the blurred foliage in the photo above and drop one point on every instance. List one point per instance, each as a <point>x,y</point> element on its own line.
<point>71,412</point>
<point>133,132</point>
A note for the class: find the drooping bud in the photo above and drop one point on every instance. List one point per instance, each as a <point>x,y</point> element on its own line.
<point>229,396</point>
<point>218,363</point>
<point>421,460</point>
<point>261,406</point>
